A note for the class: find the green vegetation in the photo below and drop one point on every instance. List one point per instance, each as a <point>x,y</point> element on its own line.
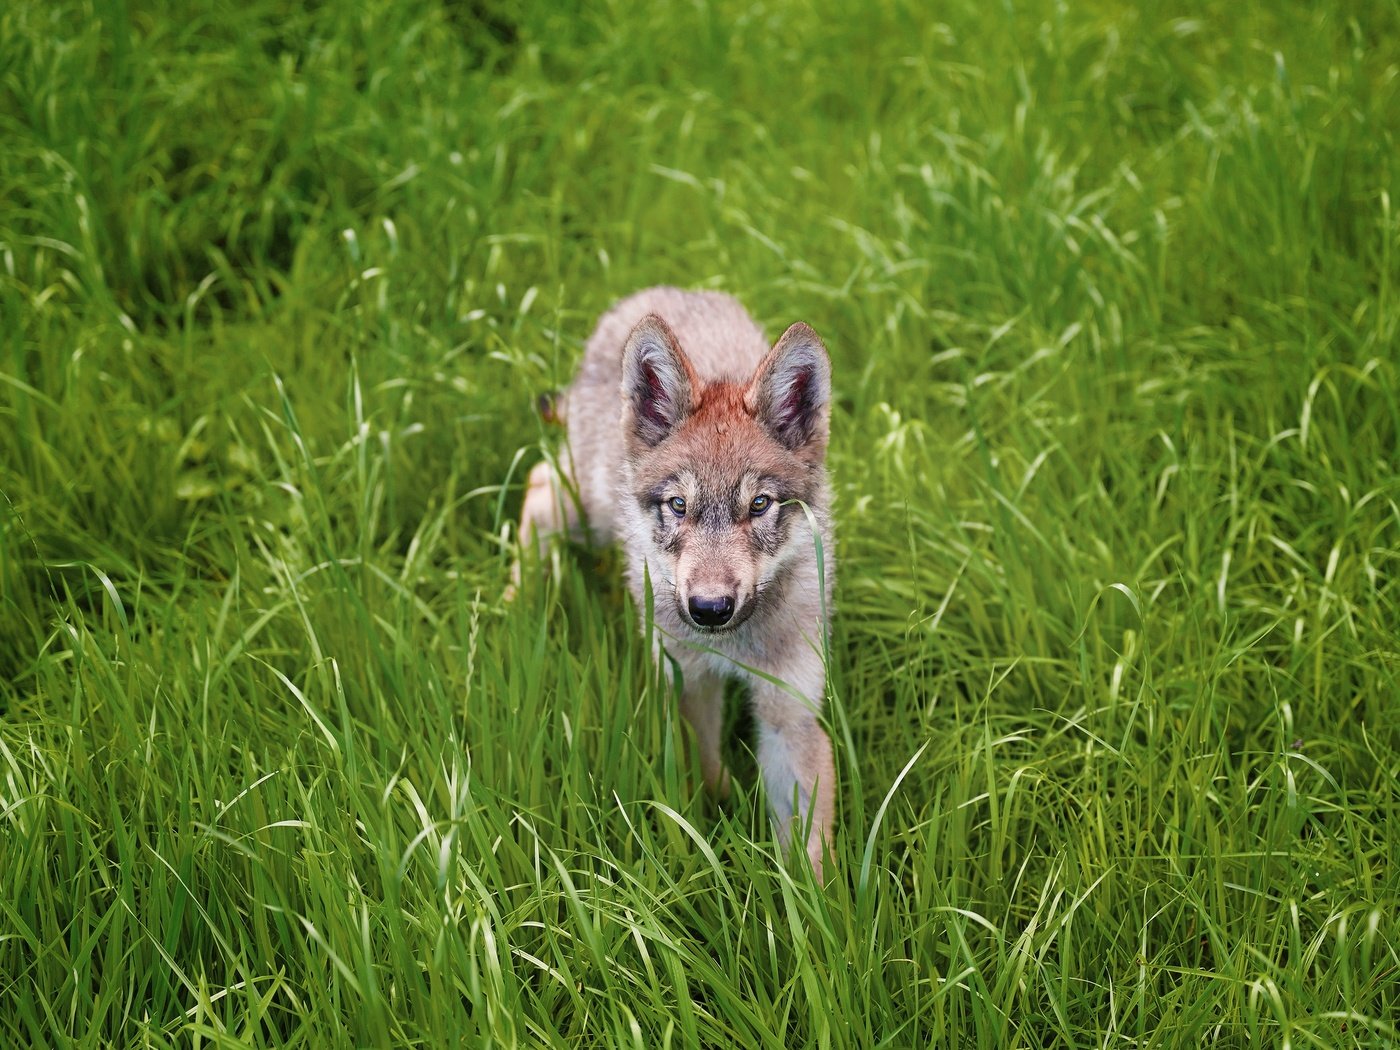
<point>1112,293</point>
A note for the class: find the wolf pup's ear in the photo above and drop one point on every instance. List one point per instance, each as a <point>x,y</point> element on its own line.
<point>657,381</point>
<point>790,394</point>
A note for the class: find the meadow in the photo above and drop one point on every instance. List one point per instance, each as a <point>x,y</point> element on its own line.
<point>1112,294</point>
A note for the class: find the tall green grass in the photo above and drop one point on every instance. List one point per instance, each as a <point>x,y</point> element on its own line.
<point>1111,294</point>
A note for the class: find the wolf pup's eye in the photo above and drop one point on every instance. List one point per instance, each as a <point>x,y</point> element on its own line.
<point>760,504</point>
<point>677,505</point>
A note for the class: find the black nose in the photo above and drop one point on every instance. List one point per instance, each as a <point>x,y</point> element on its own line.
<point>711,612</point>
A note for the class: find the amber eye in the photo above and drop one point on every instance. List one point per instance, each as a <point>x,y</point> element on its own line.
<point>760,504</point>
<point>677,506</point>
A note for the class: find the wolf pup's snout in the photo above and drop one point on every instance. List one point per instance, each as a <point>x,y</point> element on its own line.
<point>711,612</point>
<point>703,449</point>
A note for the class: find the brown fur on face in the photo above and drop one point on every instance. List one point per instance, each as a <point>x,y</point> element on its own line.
<point>718,459</point>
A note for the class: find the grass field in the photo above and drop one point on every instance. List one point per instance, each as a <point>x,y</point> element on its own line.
<point>1112,293</point>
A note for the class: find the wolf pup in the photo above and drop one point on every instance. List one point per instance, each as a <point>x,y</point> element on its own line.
<point>691,442</point>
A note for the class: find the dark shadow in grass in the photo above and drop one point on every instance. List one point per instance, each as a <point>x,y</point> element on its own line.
<point>486,25</point>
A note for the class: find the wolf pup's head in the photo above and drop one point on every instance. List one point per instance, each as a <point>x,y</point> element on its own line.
<point>715,465</point>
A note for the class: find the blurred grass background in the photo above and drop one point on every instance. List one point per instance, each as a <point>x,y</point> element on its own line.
<point>1110,291</point>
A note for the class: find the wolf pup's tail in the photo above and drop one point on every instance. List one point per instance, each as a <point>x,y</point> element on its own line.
<point>550,408</point>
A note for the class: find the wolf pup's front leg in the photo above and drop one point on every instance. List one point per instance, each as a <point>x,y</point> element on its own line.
<point>794,754</point>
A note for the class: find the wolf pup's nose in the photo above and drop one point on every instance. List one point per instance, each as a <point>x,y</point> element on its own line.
<point>711,612</point>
